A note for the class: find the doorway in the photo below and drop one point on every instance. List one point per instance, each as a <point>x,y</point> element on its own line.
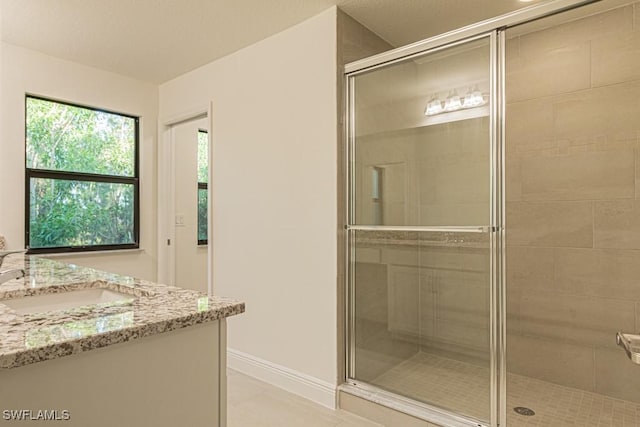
<point>190,165</point>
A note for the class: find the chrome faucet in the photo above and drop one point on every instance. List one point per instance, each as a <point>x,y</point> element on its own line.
<point>16,273</point>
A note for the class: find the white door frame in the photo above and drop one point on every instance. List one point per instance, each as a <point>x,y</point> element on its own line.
<point>166,195</point>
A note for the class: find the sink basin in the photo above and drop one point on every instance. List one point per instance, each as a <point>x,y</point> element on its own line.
<point>65,300</point>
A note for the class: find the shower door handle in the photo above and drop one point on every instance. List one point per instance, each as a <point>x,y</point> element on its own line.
<point>631,345</point>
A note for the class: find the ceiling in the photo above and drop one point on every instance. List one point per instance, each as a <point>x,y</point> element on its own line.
<point>157,40</point>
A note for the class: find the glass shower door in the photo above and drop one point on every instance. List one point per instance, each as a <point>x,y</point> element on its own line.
<point>420,228</point>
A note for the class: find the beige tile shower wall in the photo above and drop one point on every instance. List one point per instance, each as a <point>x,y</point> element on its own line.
<point>573,202</point>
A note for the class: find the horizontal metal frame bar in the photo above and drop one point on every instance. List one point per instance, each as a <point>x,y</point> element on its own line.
<point>507,20</point>
<point>424,411</point>
<point>436,229</point>
<point>88,248</point>
<point>79,176</point>
<point>384,62</point>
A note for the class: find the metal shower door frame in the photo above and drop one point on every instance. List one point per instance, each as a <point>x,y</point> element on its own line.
<point>494,228</point>
<point>494,29</point>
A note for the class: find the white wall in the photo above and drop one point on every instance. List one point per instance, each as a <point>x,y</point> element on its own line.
<point>26,71</point>
<point>274,186</point>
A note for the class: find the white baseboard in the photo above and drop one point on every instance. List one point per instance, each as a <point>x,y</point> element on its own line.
<point>304,385</point>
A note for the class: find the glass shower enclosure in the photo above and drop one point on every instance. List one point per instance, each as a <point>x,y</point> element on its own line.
<point>423,229</point>
<point>493,193</point>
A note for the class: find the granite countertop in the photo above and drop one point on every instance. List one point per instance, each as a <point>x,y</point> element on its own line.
<point>152,309</point>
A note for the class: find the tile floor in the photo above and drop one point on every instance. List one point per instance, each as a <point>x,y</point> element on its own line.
<point>253,403</point>
<point>450,384</point>
<point>445,382</point>
<point>453,384</point>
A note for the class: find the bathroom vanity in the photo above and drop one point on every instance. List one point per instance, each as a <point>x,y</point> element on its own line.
<point>81,347</point>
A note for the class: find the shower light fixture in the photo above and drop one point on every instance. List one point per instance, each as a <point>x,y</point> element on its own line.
<point>452,103</point>
<point>434,106</point>
<point>472,99</point>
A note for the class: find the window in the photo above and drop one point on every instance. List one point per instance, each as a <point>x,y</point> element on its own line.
<point>203,179</point>
<point>81,187</point>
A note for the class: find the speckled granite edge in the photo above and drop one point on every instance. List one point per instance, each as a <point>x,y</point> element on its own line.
<point>27,338</point>
<point>68,348</point>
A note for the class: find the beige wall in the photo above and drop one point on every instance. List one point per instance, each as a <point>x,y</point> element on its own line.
<point>573,214</point>
<point>355,41</point>
<point>274,191</point>
<point>26,71</point>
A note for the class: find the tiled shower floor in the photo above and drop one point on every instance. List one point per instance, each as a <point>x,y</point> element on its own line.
<point>454,384</point>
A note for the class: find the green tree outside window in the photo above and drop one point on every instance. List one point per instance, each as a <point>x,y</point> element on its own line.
<point>81,172</point>
<point>203,179</point>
